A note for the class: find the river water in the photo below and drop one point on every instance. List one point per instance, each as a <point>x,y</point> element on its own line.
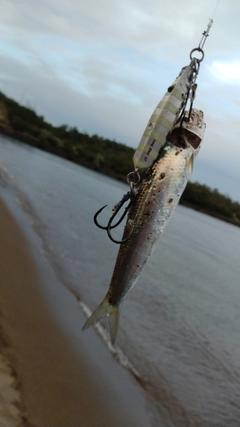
<point>179,326</point>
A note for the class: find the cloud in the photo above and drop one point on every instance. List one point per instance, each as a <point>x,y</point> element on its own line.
<point>103,66</point>
<point>137,24</point>
<point>227,72</point>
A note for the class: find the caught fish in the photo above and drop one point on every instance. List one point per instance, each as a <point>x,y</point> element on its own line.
<point>149,214</point>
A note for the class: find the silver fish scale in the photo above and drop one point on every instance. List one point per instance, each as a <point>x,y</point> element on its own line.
<point>155,202</point>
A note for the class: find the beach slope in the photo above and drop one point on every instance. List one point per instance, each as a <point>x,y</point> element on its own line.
<point>61,377</point>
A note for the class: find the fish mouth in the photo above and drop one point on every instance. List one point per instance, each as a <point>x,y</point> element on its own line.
<point>182,138</point>
<point>189,131</point>
<point>193,139</point>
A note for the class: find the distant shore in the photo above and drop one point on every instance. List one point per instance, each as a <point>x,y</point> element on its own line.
<point>58,151</point>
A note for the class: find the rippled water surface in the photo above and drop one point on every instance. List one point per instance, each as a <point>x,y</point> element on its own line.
<point>180,326</point>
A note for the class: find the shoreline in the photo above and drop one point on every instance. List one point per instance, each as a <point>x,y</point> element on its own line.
<point>64,377</point>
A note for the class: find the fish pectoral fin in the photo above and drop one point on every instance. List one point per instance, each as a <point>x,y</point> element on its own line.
<point>111,312</point>
<point>190,164</point>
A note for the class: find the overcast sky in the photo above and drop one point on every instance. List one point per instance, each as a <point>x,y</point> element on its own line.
<point>103,66</point>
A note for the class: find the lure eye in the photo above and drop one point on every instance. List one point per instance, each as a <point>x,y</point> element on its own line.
<point>170,88</point>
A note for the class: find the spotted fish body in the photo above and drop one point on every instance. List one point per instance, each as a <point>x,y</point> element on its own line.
<point>155,202</point>
<point>149,215</point>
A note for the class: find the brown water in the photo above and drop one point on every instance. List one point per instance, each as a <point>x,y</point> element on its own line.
<point>180,324</point>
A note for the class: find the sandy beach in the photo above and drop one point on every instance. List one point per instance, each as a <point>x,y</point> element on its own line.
<point>54,375</point>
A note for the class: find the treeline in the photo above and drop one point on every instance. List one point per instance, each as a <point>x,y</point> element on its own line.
<point>101,154</point>
<point>204,199</point>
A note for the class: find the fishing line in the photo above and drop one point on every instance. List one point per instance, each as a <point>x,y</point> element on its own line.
<point>215,8</point>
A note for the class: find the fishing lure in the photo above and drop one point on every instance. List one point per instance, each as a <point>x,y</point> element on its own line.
<point>169,110</point>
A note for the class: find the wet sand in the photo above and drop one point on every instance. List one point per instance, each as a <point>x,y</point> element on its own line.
<point>66,378</point>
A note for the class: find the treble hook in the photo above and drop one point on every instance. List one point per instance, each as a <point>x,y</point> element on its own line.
<point>133,178</point>
<point>116,209</point>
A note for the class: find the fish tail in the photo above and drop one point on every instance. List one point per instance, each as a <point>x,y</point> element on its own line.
<point>111,312</point>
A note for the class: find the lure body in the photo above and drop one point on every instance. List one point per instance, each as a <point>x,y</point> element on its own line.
<point>163,120</point>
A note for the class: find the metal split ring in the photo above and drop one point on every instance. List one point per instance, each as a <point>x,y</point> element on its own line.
<point>198,49</point>
<point>133,178</point>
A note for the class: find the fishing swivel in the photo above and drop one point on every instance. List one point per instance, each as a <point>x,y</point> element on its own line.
<point>205,34</point>
<point>133,178</point>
